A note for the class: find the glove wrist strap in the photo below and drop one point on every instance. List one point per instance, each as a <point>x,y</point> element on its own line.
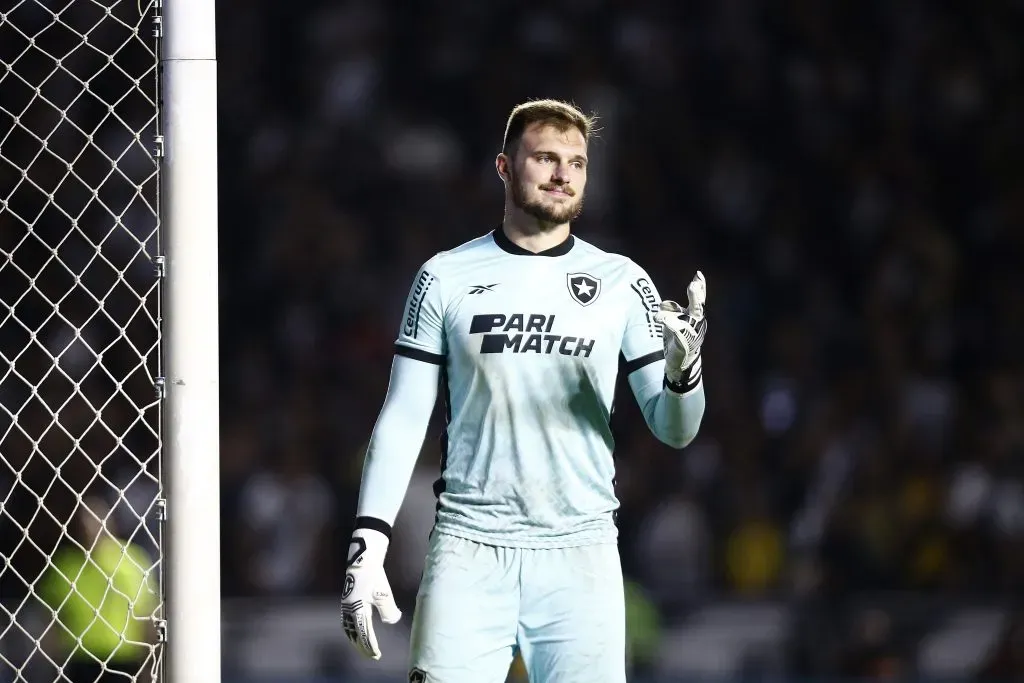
<point>689,378</point>
<point>374,524</point>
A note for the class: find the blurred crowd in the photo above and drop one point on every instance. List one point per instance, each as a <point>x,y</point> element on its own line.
<point>847,177</point>
<point>844,174</point>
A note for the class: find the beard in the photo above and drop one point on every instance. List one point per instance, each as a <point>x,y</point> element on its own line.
<point>545,213</point>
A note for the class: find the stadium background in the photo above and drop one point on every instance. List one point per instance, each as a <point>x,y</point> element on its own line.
<point>848,177</point>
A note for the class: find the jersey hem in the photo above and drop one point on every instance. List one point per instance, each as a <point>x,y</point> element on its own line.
<point>591,537</point>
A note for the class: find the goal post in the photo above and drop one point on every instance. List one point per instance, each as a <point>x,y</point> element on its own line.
<point>109,456</point>
<point>190,177</point>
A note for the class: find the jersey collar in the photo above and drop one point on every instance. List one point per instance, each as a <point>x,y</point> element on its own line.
<point>502,240</point>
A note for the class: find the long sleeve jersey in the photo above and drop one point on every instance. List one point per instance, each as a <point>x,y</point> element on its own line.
<point>525,350</point>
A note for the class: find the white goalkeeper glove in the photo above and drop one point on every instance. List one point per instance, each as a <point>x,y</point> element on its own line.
<point>683,334</point>
<point>366,586</point>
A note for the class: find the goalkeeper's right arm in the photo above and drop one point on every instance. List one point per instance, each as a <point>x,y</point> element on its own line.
<point>390,459</point>
<point>397,439</point>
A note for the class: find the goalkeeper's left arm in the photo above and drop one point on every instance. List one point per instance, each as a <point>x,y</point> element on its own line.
<point>671,393</point>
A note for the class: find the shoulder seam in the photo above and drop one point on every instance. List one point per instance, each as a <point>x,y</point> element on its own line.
<point>605,252</point>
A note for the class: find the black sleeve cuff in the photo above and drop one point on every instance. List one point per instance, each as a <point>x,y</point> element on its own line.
<point>631,366</point>
<point>374,524</point>
<point>419,354</point>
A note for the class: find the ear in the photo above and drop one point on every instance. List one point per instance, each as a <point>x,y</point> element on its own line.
<point>503,164</point>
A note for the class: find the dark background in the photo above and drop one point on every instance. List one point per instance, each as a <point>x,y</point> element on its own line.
<point>847,175</point>
<point>848,179</point>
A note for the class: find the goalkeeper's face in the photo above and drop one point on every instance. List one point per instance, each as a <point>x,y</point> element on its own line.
<point>548,174</point>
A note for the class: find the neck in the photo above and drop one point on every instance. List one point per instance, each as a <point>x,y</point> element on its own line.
<point>531,234</point>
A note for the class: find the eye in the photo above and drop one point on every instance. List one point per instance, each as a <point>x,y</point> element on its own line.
<point>543,158</point>
<point>579,164</point>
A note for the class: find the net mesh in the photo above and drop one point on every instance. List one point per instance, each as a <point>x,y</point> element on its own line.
<point>80,484</point>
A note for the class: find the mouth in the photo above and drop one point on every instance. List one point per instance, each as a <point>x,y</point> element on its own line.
<point>558,191</point>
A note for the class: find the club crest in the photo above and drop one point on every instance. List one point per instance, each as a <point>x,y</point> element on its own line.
<point>584,289</point>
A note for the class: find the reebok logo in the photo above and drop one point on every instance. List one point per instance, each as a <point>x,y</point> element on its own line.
<point>480,289</point>
<point>526,333</point>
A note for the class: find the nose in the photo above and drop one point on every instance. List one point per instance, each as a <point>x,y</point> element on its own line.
<point>560,174</point>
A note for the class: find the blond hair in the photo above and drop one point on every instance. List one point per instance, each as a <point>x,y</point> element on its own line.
<point>562,115</point>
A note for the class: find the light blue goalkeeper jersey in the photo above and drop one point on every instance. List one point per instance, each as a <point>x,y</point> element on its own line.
<point>527,350</point>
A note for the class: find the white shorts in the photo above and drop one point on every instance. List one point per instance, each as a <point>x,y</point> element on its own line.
<point>562,609</point>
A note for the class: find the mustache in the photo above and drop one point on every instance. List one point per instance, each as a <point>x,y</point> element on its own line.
<point>563,188</point>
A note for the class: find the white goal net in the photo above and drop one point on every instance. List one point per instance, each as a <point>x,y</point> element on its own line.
<point>80,390</point>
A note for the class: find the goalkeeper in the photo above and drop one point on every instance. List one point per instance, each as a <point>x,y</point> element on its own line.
<point>525,330</point>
